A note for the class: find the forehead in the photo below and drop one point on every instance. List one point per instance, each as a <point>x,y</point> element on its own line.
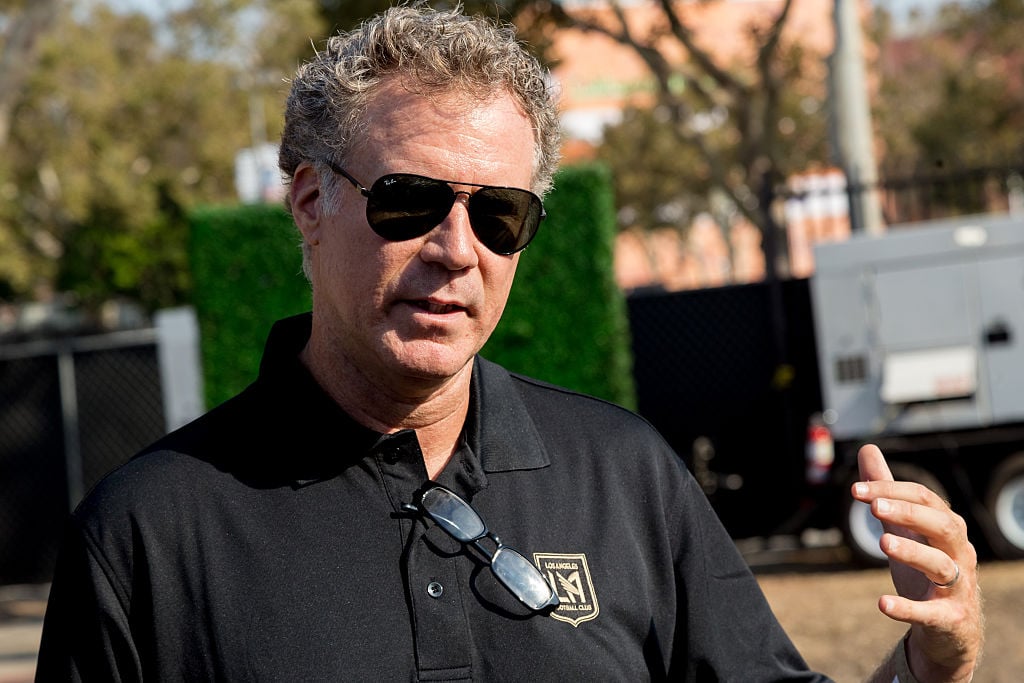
<point>403,127</point>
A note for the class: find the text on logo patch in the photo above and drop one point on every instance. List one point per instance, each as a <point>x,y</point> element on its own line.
<point>569,575</point>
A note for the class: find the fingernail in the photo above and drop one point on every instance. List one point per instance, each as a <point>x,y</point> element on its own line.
<point>883,505</point>
<point>861,488</point>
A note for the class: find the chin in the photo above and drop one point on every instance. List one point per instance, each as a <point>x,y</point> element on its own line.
<point>433,361</point>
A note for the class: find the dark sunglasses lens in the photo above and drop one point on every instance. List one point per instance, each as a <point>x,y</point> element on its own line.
<point>402,206</point>
<point>454,514</point>
<point>522,578</point>
<point>504,219</point>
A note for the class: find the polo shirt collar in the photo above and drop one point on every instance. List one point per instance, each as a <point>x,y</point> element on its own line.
<point>315,420</point>
<point>503,437</point>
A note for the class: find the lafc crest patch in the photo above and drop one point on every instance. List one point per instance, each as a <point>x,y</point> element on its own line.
<point>569,575</point>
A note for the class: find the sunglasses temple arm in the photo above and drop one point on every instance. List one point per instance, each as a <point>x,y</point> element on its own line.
<point>344,174</point>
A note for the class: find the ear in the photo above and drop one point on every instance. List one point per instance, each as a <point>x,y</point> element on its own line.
<point>304,198</point>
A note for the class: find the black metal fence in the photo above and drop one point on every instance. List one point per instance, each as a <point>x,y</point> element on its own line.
<point>74,408</point>
<point>909,195</point>
<point>70,411</point>
<point>943,191</point>
<point>732,393</point>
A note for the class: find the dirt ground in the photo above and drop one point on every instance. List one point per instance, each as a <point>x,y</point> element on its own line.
<point>833,618</point>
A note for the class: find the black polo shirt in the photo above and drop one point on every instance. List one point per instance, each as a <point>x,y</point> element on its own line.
<point>267,541</point>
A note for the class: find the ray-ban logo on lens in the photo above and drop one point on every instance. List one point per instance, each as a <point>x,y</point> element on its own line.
<point>569,575</point>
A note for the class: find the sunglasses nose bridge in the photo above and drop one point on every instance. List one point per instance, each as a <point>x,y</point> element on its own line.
<point>463,197</point>
<point>454,239</point>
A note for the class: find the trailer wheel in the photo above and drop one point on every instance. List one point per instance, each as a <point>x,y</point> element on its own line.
<point>1005,501</point>
<point>862,531</point>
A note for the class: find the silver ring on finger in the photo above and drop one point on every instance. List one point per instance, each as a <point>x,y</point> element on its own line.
<point>951,582</point>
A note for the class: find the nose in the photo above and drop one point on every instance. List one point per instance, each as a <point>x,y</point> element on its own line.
<point>452,243</point>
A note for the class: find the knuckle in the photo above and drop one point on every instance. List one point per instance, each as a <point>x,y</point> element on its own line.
<point>949,528</point>
<point>920,492</point>
<point>956,525</point>
<point>970,556</point>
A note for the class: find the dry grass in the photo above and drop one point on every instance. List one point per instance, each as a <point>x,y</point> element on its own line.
<point>834,620</point>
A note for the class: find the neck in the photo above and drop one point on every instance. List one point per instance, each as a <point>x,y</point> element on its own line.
<point>436,409</point>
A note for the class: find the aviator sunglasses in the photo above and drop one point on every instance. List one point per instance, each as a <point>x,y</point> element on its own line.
<point>402,206</point>
<point>458,518</point>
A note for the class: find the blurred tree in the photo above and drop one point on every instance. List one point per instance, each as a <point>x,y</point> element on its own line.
<point>346,14</point>
<point>21,24</point>
<point>953,95</point>
<point>664,181</point>
<point>717,127</point>
<point>657,181</point>
<point>532,17</point>
<point>126,122</point>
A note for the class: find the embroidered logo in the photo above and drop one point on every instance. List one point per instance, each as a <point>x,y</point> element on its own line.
<point>569,575</point>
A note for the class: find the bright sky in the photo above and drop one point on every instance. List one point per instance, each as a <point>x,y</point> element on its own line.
<point>151,7</point>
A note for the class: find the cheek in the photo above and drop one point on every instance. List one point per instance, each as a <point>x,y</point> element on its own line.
<point>498,282</point>
<point>357,268</point>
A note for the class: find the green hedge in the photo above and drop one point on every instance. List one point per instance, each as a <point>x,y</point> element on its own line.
<point>565,322</point>
<point>247,273</point>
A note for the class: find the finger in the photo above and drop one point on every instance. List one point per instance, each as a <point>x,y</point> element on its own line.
<point>942,527</point>
<point>935,564</point>
<point>871,464</point>
<point>911,492</point>
<point>927,613</point>
<point>947,633</point>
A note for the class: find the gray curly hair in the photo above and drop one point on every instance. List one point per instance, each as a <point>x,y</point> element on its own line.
<point>437,52</point>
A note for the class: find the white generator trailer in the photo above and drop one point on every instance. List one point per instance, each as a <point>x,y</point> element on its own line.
<point>920,345</point>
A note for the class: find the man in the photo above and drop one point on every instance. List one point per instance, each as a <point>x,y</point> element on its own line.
<point>330,522</point>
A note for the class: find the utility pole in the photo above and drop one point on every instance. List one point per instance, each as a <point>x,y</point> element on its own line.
<point>853,138</point>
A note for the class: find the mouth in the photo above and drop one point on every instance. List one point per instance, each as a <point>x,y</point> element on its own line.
<point>435,307</point>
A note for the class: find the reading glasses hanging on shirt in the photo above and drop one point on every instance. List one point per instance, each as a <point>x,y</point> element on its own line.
<point>460,521</point>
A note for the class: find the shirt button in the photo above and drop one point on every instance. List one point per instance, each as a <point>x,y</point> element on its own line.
<point>434,589</point>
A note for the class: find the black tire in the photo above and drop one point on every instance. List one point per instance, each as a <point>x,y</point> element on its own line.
<point>1005,502</point>
<point>862,531</point>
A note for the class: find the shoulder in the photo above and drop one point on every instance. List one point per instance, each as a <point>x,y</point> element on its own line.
<point>577,430</point>
<point>555,407</point>
<point>156,487</point>
<point>171,474</point>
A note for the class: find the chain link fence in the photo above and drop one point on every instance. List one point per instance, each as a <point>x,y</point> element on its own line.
<point>729,376</point>
<point>72,409</point>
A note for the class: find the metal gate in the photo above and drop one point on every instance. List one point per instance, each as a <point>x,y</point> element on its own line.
<point>72,409</point>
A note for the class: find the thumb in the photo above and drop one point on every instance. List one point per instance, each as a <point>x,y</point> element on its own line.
<point>871,464</point>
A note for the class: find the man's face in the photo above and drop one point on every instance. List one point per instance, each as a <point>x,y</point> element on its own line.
<point>418,310</point>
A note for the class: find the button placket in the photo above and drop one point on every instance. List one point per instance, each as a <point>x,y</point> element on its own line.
<point>441,632</point>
